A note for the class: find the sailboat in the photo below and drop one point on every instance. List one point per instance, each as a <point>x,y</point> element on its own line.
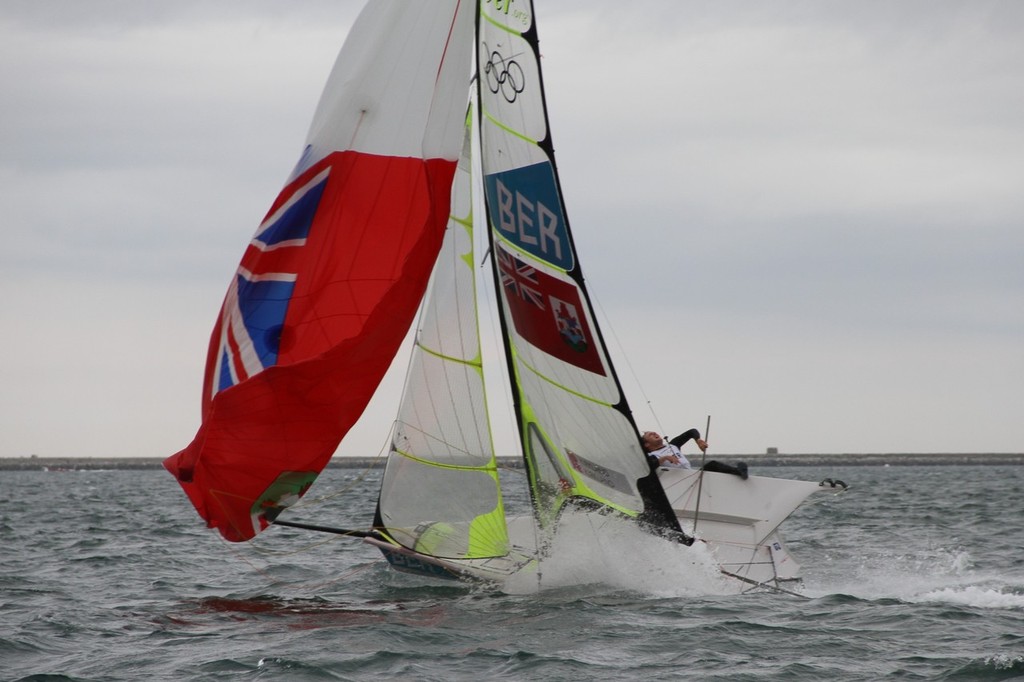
<point>432,110</point>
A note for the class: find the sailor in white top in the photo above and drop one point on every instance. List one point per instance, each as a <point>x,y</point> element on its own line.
<point>662,454</point>
<point>667,454</point>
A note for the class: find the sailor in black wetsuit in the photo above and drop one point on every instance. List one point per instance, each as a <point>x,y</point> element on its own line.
<point>660,453</point>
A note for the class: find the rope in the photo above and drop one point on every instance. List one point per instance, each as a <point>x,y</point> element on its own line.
<point>608,326</point>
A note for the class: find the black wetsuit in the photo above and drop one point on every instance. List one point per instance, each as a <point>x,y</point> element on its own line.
<point>693,434</point>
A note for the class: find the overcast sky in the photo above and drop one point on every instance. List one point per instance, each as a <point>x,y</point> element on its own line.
<point>805,219</point>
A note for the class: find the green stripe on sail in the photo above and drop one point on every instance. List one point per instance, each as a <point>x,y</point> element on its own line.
<point>488,535</point>
<point>510,131</point>
<point>560,387</point>
<point>475,362</point>
<point>526,255</point>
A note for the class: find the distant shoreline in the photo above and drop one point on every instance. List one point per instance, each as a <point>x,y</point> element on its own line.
<point>877,459</point>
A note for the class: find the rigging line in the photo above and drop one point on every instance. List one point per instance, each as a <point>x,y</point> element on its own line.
<point>238,555</point>
<point>359,478</point>
<point>267,551</point>
<point>304,586</point>
<point>327,582</point>
<point>233,548</point>
<point>608,326</point>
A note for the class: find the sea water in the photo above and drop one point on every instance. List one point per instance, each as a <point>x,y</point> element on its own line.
<point>915,573</point>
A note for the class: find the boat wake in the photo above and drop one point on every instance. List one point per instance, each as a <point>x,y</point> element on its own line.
<point>948,578</point>
<point>618,555</point>
<point>977,596</point>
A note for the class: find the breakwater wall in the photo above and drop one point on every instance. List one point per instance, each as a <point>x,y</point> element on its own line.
<point>36,463</point>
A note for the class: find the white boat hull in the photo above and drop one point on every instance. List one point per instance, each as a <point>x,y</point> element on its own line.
<point>738,520</point>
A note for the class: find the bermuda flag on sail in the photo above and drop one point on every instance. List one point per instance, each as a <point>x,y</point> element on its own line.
<point>547,312</point>
<point>253,316</point>
<point>309,326</point>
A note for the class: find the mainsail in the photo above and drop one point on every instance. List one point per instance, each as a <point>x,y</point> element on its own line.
<point>579,439</point>
<point>329,285</point>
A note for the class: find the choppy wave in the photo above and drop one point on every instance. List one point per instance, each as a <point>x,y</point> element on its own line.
<point>977,596</point>
<point>112,576</point>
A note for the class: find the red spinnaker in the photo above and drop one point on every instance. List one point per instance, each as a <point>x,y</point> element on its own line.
<point>330,283</point>
<point>364,267</point>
